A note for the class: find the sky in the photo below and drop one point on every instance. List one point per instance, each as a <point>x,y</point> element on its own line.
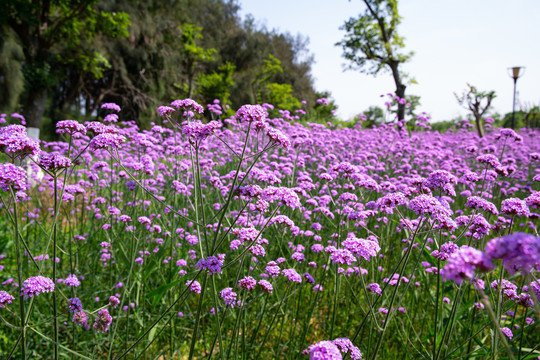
<point>454,43</point>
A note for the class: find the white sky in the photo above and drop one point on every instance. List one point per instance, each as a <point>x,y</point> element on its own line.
<point>454,41</point>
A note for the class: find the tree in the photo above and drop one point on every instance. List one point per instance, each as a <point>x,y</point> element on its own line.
<point>280,95</point>
<point>478,102</point>
<point>216,85</point>
<point>53,35</point>
<point>373,115</point>
<point>193,54</point>
<point>271,67</point>
<point>372,44</point>
<point>11,76</point>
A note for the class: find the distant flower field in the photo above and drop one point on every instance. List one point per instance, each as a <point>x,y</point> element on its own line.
<point>262,238</point>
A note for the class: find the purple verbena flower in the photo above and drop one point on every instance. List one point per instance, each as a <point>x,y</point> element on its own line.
<point>13,176</point>
<point>80,318</point>
<point>106,140</point>
<point>165,110</point>
<point>114,301</point>
<point>111,106</point>
<point>292,275</point>
<point>102,321</point>
<point>75,305</point>
<point>266,286</point>
<point>476,202</point>
<point>463,263</point>
<point>54,161</point>
<point>324,350</point>
<point>189,106</point>
<point>212,264</point>
<point>194,286</point>
<point>70,127</point>
<point>374,288</point>
<point>345,345</point>
<point>72,280</point>
<point>362,247</point>
<point>110,118</point>
<point>247,282</point>
<point>278,138</point>
<point>15,142</point>
<point>228,296</point>
<point>518,251</point>
<point>445,251</point>
<point>5,298</point>
<point>251,113</point>
<point>506,331</point>
<point>514,206</point>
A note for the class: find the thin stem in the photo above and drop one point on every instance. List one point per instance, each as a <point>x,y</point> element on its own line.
<point>55,309</point>
<point>198,318</point>
<point>19,274</point>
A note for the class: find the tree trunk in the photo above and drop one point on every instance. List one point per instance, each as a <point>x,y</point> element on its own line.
<point>400,88</point>
<point>479,126</point>
<point>35,106</point>
<point>400,91</point>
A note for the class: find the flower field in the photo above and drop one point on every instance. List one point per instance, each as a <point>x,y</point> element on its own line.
<point>261,238</point>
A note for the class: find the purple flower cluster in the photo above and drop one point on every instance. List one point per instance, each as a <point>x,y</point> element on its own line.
<point>374,288</point>
<point>228,296</point>
<point>278,138</point>
<point>102,321</point>
<point>476,202</point>
<point>196,131</point>
<point>111,106</point>
<point>54,161</point>
<point>365,248</point>
<point>332,350</point>
<point>189,106</point>
<point>14,142</point>
<point>445,251</point>
<point>106,140</point>
<point>12,176</point>
<point>514,206</point>
<point>247,283</point>
<point>5,298</point>
<point>463,263</point>
<point>266,286</point>
<point>518,251</point>
<point>251,113</point>
<point>508,134</point>
<point>194,286</point>
<point>114,301</point>
<point>75,305</point>
<point>324,350</point>
<point>165,110</point>
<point>392,200</point>
<point>70,127</point>
<point>292,275</point>
<point>33,286</point>
<point>81,319</point>
<point>212,264</point>
<point>345,346</point>
<point>72,280</point>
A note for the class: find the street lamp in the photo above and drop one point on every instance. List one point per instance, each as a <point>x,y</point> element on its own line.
<point>515,73</point>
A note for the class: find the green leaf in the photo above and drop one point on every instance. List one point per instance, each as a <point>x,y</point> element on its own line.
<point>157,294</point>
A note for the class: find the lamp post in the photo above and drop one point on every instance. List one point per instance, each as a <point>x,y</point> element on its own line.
<point>515,73</point>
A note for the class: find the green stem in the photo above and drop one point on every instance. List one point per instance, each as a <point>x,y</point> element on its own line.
<point>198,318</point>
<point>218,325</point>
<point>55,309</point>
<point>19,275</point>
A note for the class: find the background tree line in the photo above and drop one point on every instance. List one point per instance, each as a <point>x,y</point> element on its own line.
<point>63,58</point>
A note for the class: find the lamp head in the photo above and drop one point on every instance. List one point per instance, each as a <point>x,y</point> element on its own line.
<point>515,72</point>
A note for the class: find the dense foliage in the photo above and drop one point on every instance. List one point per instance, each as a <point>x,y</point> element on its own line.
<point>72,56</point>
